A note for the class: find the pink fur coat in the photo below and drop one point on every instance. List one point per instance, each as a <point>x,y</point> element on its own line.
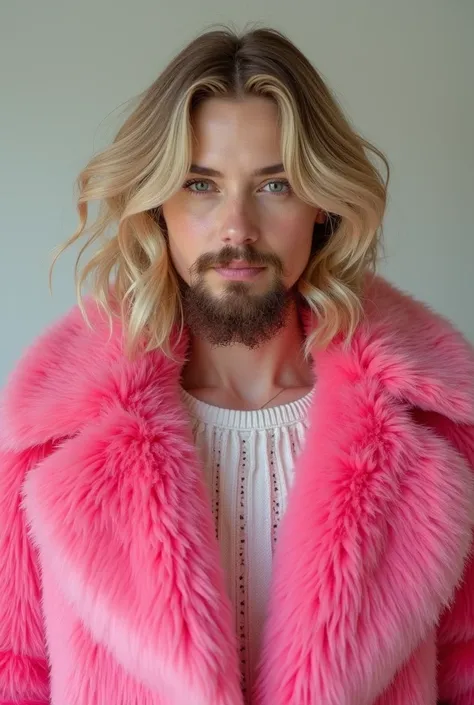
<point>111,590</point>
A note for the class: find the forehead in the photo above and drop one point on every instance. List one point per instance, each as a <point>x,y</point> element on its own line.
<point>239,131</point>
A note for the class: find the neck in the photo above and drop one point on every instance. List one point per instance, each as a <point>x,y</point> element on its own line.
<point>247,378</point>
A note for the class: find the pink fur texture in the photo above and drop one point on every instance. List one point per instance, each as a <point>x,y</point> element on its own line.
<point>111,588</point>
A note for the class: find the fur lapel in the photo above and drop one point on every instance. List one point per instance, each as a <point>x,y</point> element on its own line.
<point>374,539</point>
<point>120,512</point>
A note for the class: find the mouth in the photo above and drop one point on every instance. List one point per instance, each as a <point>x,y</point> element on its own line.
<point>239,270</point>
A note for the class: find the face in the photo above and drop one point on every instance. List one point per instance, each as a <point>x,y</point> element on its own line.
<point>239,237</point>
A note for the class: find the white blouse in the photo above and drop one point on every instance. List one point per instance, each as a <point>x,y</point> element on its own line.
<point>248,459</point>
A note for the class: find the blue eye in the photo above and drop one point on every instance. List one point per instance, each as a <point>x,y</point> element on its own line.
<point>277,187</point>
<point>197,182</point>
<point>282,185</point>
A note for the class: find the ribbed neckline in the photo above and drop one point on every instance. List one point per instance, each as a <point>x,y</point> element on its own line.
<point>257,419</point>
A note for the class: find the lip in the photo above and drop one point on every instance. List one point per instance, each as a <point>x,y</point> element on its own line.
<point>239,271</point>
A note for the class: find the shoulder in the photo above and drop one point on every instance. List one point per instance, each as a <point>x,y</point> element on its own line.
<point>54,375</point>
<point>407,324</point>
<point>389,307</point>
<point>420,351</point>
<point>76,370</point>
<point>414,351</point>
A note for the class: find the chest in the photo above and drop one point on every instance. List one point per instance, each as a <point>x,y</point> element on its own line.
<point>248,463</point>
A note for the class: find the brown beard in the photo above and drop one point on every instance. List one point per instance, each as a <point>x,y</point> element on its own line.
<point>236,316</point>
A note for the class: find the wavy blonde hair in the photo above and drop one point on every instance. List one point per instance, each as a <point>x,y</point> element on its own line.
<point>328,165</point>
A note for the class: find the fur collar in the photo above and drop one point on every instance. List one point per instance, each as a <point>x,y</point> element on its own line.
<point>414,352</point>
<point>120,514</point>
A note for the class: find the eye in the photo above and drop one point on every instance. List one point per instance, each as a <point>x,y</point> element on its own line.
<point>281,186</point>
<point>200,184</point>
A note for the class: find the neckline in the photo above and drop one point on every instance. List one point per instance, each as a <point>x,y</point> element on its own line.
<point>257,419</point>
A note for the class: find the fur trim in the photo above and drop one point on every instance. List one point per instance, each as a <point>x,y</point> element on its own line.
<point>120,515</point>
<point>72,373</point>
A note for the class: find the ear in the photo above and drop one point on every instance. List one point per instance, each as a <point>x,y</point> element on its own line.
<point>321,216</point>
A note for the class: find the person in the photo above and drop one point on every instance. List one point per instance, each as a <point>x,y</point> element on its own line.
<point>240,469</point>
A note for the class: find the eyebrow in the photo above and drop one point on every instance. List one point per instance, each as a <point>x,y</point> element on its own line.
<point>264,171</point>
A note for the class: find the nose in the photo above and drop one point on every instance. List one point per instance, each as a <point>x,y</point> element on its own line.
<point>238,225</point>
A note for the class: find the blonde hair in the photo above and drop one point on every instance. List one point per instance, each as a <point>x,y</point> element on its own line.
<point>328,165</point>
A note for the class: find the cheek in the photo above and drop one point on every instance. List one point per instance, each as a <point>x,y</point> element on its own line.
<point>184,218</point>
<point>295,259</point>
<point>293,238</point>
<point>185,236</point>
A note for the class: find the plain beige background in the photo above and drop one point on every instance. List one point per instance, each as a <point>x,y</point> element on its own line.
<point>402,70</point>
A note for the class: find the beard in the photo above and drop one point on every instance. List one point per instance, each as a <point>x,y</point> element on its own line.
<point>236,316</point>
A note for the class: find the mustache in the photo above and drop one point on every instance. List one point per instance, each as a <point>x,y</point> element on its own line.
<point>228,254</point>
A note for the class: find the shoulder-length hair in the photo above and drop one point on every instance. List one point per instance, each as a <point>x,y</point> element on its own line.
<point>328,165</point>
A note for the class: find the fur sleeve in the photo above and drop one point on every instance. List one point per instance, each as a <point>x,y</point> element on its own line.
<point>24,676</point>
<point>456,627</point>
